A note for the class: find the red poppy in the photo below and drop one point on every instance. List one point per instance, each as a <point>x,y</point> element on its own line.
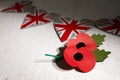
<point>82,58</point>
<point>82,40</point>
<point>79,52</point>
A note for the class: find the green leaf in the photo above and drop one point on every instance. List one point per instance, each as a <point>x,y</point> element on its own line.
<point>101,55</point>
<point>99,39</point>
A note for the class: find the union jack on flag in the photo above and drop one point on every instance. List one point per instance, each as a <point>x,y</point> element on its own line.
<point>38,17</point>
<point>21,6</point>
<point>68,28</point>
<point>109,25</point>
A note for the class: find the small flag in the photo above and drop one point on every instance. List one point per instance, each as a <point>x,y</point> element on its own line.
<point>38,17</point>
<point>68,28</point>
<point>111,26</point>
<point>22,6</point>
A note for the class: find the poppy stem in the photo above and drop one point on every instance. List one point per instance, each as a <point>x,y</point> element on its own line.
<point>58,57</point>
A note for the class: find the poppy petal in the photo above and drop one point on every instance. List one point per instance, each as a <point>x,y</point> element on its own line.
<point>87,40</point>
<point>71,42</point>
<point>88,62</point>
<point>68,56</point>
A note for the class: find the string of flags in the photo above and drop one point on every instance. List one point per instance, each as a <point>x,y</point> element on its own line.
<point>65,27</point>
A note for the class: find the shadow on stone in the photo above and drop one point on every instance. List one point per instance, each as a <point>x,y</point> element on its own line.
<point>61,63</point>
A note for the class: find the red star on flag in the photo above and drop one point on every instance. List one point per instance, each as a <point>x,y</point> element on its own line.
<point>109,25</point>
<point>18,6</point>
<point>69,27</point>
<point>37,18</point>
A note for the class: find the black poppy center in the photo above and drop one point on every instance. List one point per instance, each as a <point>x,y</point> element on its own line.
<point>78,56</point>
<point>80,44</point>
